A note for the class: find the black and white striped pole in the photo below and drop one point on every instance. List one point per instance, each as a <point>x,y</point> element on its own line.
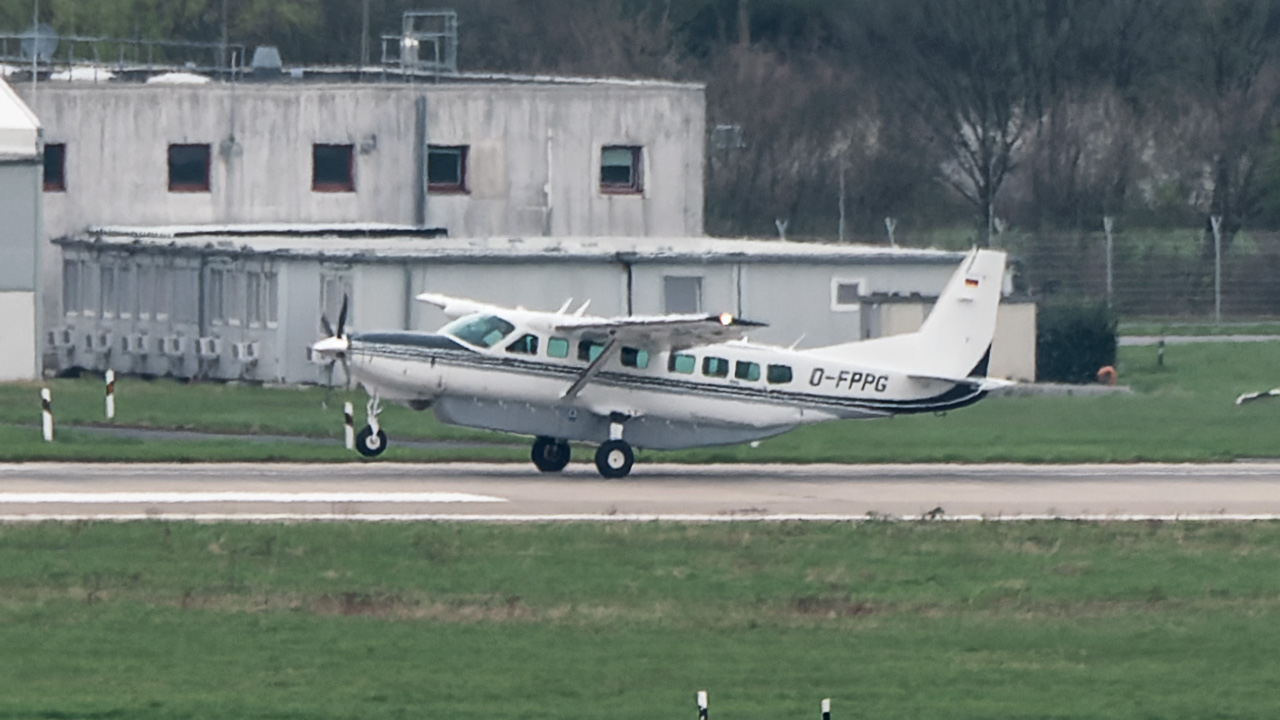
<point>349,431</point>
<point>46,408</point>
<point>702,705</point>
<point>111,394</point>
<point>826,709</point>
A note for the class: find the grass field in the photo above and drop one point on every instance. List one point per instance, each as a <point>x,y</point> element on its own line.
<point>890,620</point>
<point>1181,411</point>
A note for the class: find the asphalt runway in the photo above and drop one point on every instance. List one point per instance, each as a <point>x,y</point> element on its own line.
<point>518,493</point>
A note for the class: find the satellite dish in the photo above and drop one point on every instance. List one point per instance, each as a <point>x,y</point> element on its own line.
<point>41,41</point>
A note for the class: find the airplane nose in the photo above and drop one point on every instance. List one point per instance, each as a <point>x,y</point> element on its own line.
<point>330,347</point>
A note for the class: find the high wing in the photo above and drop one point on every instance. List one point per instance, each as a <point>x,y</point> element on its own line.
<point>456,307</point>
<point>655,332</point>
<point>662,332</point>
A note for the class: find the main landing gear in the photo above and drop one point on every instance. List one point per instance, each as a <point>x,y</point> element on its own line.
<point>549,454</point>
<point>371,440</point>
<point>614,457</point>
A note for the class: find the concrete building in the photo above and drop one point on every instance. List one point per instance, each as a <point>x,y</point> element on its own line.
<point>20,237</point>
<point>245,302</point>
<point>478,155</point>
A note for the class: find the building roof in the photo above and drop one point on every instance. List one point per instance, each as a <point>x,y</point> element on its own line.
<point>19,128</point>
<point>376,242</point>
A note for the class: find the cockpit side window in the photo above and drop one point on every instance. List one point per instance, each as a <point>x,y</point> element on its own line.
<point>681,363</point>
<point>482,330</point>
<point>526,345</point>
<point>558,347</point>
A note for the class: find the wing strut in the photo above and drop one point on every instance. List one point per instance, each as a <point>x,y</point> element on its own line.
<point>610,349</point>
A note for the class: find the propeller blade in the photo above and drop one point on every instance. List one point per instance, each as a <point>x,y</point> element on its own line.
<point>342,316</point>
<point>325,326</point>
<point>328,385</point>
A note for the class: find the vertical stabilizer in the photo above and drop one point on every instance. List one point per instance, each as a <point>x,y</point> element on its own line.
<point>955,340</point>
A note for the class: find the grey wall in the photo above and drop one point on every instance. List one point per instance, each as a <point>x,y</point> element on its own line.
<point>533,165</point>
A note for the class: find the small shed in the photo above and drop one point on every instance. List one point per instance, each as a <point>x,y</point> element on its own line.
<point>20,236</point>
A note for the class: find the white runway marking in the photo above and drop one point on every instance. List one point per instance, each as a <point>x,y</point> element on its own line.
<point>636,518</point>
<point>169,498</point>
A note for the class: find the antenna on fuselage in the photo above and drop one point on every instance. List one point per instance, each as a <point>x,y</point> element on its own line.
<point>797,342</point>
<point>582,309</point>
<point>565,306</point>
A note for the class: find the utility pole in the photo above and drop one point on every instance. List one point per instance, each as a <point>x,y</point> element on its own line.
<point>364,34</point>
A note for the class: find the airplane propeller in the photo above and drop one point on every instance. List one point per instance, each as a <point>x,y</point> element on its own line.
<point>334,344</point>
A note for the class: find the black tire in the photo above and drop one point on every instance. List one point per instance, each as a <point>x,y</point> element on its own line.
<point>549,454</point>
<point>614,459</point>
<point>370,445</point>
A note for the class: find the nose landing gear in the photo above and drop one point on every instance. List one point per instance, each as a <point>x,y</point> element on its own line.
<point>371,440</point>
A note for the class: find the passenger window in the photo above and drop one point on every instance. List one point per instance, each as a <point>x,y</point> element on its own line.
<point>715,367</point>
<point>588,351</point>
<point>747,371</point>
<point>779,374</point>
<point>527,345</point>
<point>631,357</point>
<point>558,347</point>
<point>681,363</point>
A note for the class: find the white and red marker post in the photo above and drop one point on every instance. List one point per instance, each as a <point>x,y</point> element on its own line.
<point>46,413</point>
<point>826,709</point>
<point>702,705</point>
<point>111,394</point>
<point>349,431</point>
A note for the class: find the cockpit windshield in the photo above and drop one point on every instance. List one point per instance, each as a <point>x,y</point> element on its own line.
<point>480,330</point>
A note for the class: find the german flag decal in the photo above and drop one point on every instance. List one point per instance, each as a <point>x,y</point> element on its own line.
<point>971,282</point>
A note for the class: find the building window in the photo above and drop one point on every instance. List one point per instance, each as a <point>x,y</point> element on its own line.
<point>633,357</point>
<point>682,294</point>
<point>126,290</point>
<point>107,291</point>
<point>215,295</point>
<point>447,168</point>
<point>681,363</point>
<point>72,297</point>
<point>558,347</point>
<point>620,169</point>
<point>779,374</point>
<point>333,289</point>
<point>746,371</point>
<point>55,167</point>
<point>715,367</point>
<point>271,286</point>
<point>255,312</point>
<point>846,295</point>
<point>188,168</point>
<point>184,284</point>
<point>332,168</point>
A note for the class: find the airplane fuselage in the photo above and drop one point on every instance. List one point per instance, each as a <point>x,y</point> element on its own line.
<point>717,394</point>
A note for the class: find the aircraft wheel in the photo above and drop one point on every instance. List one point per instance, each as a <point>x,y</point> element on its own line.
<point>370,445</point>
<point>549,454</point>
<point>614,459</point>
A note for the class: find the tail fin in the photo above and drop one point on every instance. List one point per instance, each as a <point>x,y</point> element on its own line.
<point>955,340</point>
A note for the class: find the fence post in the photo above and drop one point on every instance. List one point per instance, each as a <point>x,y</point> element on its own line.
<point>46,413</point>
<point>826,709</point>
<point>702,705</point>
<point>1106,225</point>
<point>1216,222</point>
<point>111,394</point>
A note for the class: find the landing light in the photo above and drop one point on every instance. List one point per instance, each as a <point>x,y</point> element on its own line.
<point>726,319</point>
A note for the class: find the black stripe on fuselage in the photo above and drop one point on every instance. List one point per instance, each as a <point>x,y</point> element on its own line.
<point>422,347</point>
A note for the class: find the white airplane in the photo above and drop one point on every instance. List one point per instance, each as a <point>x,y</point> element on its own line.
<point>663,382</point>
